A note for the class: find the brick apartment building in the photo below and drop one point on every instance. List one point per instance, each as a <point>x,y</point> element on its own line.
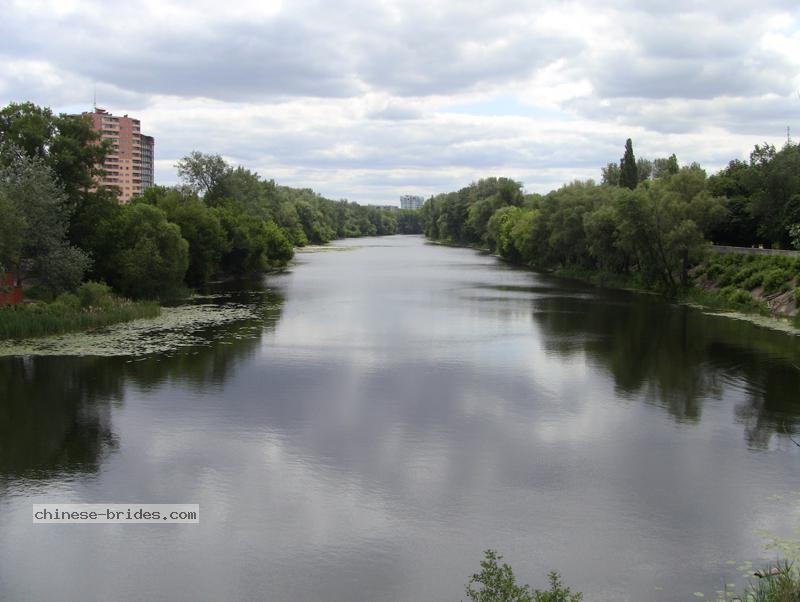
<point>129,164</point>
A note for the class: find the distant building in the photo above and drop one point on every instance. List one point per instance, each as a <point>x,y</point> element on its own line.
<point>129,164</point>
<point>148,161</point>
<point>408,201</point>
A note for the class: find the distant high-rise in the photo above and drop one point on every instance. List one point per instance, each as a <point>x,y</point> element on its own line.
<point>129,164</point>
<point>409,201</point>
<point>148,159</point>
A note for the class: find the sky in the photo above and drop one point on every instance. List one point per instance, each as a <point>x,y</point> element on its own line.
<point>369,100</point>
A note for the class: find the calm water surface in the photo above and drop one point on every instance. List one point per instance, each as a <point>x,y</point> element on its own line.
<point>394,409</point>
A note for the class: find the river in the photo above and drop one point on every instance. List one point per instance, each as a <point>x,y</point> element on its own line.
<point>386,411</point>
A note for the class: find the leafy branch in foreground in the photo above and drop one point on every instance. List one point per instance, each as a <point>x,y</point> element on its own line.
<point>497,583</point>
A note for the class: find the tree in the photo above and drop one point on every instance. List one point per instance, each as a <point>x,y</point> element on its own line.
<point>35,215</point>
<point>67,144</point>
<point>644,167</point>
<point>151,258</point>
<point>199,226</point>
<point>794,234</point>
<point>628,174</point>
<point>665,167</point>
<point>610,175</point>
<point>663,225</point>
<point>201,172</point>
<point>279,249</point>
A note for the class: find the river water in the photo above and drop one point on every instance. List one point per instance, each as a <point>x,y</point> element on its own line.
<point>383,413</point>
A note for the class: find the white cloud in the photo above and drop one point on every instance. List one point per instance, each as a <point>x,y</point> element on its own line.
<point>368,100</point>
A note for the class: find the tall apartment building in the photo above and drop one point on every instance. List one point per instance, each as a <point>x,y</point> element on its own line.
<point>409,201</point>
<point>129,164</point>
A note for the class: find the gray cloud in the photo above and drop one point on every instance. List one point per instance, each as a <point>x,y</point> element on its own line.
<point>354,95</point>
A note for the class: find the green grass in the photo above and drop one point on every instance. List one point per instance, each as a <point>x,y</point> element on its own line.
<point>91,306</point>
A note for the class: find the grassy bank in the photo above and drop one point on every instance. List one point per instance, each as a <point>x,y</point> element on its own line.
<point>769,285</point>
<point>91,306</point>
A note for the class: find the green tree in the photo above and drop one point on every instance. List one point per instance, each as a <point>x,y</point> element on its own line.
<point>602,235</point>
<point>199,226</point>
<point>775,200</point>
<point>644,169</point>
<point>610,175</point>
<point>628,173</point>
<point>663,226</point>
<point>499,232</point>
<point>67,144</point>
<point>151,258</point>
<point>665,167</point>
<point>279,249</point>
<point>794,235</point>
<point>94,225</point>
<point>35,216</point>
<point>201,172</point>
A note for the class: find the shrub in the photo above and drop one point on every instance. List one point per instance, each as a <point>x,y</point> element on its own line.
<point>65,303</point>
<point>95,294</point>
<point>714,271</point>
<point>740,297</point>
<point>497,583</point>
<point>753,281</point>
<point>736,296</point>
<point>774,278</point>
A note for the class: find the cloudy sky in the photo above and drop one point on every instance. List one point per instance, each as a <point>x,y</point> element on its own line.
<point>368,100</point>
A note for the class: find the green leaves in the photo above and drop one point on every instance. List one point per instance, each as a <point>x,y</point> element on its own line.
<point>628,172</point>
<point>497,583</point>
<point>34,215</point>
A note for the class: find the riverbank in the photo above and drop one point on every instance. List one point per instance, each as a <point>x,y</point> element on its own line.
<point>92,306</point>
<point>764,287</point>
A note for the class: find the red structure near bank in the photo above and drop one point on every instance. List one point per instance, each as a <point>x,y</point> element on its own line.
<point>9,293</point>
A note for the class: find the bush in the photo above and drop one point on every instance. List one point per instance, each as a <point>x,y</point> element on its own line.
<point>753,281</point>
<point>739,297</point>
<point>714,271</point>
<point>95,294</point>
<point>65,303</point>
<point>774,278</point>
<point>497,583</point>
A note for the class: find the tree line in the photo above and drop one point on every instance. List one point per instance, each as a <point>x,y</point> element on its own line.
<point>647,220</point>
<point>59,228</point>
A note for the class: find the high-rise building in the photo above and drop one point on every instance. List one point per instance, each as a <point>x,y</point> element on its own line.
<point>129,164</point>
<point>409,201</point>
<point>148,159</point>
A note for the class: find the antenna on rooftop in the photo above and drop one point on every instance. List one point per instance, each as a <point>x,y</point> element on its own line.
<point>94,103</point>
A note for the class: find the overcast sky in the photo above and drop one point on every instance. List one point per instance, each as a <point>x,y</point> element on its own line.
<point>373,99</point>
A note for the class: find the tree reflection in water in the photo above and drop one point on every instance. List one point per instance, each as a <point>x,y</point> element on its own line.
<point>56,411</point>
<point>677,357</point>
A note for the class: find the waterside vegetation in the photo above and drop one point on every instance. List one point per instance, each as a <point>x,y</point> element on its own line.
<point>58,228</point>
<point>91,306</point>
<point>652,231</point>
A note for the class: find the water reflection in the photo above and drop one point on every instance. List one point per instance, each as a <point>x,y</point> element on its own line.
<point>55,412</point>
<point>678,357</point>
<point>412,406</point>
